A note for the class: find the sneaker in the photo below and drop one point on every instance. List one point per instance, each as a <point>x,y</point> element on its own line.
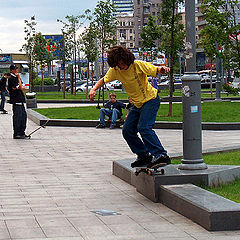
<point>112,126</point>
<point>19,136</point>
<point>100,126</point>
<point>163,158</point>
<point>143,160</point>
<point>4,111</point>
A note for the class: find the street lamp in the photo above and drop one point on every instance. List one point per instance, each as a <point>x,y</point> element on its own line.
<point>191,99</point>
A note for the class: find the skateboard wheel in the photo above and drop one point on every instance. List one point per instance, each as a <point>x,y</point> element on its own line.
<point>136,173</point>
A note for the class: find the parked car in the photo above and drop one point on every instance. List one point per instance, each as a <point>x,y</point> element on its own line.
<point>117,84</point>
<point>83,87</point>
<point>109,86</point>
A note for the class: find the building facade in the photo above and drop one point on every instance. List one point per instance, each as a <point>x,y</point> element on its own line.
<point>126,31</point>
<point>142,9</point>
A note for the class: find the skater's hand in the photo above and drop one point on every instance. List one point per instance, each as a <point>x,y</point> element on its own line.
<point>163,69</point>
<point>92,94</point>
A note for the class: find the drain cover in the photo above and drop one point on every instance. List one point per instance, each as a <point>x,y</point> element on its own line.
<point>105,212</point>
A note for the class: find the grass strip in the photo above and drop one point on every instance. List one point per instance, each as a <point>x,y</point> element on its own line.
<point>211,112</point>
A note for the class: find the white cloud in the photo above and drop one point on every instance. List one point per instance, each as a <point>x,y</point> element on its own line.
<point>12,35</point>
<point>13,14</point>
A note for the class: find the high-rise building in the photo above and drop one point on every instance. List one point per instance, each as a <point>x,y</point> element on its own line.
<point>123,6</point>
<point>142,9</point>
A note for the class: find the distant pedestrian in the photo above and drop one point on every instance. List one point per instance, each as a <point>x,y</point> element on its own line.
<point>17,99</point>
<point>4,91</point>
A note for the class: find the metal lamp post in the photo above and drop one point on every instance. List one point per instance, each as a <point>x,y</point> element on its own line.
<point>191,99</point>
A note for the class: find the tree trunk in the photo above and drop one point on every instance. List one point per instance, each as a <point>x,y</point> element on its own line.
<point>171,84</point>
<point>211,80</point>
<point>30,73</point>
<point>86,96</point>
<point>64,81</point>
<point>42,80</point>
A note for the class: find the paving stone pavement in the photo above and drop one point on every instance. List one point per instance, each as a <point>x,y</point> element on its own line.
<point>50,184</point>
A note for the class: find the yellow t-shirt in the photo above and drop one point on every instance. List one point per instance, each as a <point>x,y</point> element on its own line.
<point>135,81</point>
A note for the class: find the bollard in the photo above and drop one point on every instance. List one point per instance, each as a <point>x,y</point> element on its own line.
<point>192,123</point>
<point>31,101</point>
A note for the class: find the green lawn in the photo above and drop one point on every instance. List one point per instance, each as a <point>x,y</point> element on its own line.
<point>211,112</point>
<point>120,95</point>
<point>230,191</point>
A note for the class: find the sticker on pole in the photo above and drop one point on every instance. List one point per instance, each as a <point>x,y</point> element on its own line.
<point>194,109</point>
<point>186,91</point>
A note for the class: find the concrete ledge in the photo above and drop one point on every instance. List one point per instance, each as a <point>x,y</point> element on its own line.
<point>209,210</point>
<point>37,117</point>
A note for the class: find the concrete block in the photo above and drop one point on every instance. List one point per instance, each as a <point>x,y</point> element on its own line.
<point>209,210</point>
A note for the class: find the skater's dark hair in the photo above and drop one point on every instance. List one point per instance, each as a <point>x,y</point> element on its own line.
<point>118,53</point>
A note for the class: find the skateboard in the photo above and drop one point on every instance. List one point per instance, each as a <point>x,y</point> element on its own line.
<point>154,170</point>
<point>119,123</point>
<point>42,126</point>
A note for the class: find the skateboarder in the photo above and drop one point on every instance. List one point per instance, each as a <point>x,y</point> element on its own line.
<point>142,116</point>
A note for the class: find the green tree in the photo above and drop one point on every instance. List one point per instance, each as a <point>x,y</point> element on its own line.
<point>221,14</point>
<point>65,56</point>
<point>172,37</point>
<point>150,34</point>
<point>105,26</point>
<point>28,46</point>
<point>88,46</point>
<point>209,36</point>
<point>40,53</point>
<point>70,28</point>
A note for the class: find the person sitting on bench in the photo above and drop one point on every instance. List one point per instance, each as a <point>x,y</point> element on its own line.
<point>113,109</point>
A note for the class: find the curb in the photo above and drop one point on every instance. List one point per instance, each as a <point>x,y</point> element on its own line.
<point>41,119</point>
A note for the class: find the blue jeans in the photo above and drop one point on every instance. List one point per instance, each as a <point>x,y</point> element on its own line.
<point>142,120</point>
<point>113,114</point>
<point>3,94</point>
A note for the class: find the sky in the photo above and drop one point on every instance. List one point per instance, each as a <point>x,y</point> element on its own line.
<point>46,12</point>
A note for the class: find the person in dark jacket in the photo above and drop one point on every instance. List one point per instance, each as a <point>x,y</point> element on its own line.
<point>4,91</point>
<point>17,99</point>
<point>113,109</point>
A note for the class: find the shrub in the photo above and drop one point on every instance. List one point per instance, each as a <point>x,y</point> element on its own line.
<point>230,90</point>
<point>47,81</point>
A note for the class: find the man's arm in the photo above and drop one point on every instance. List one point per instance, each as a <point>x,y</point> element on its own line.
<point>98,85</point>
<point>20,85</point>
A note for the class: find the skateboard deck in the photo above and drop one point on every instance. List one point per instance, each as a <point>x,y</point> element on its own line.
<point>42,126</point>
<point>154,170</point>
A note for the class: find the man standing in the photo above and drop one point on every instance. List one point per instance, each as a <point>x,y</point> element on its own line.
<point>142,116</point>
<point>4,91</point>
<point>113,109</point>
<point>17,99</point>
